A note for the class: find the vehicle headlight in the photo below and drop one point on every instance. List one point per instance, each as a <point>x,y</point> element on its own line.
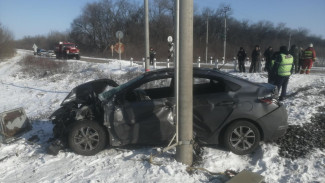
<point>71,97</point>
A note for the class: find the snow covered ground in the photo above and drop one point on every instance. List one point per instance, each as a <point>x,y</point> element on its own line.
<point>25,161</point>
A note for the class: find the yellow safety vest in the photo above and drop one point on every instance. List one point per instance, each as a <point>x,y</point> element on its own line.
<point>285,65</point>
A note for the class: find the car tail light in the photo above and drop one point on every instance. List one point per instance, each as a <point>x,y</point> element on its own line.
<point>267,100</point>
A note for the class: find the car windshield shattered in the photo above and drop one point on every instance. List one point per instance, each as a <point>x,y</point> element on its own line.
<point>108,94</point>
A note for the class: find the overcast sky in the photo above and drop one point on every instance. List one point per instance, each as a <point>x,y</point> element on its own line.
<point>39,17</point>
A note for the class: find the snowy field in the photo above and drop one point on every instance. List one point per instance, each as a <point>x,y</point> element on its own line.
<point>26,161</point>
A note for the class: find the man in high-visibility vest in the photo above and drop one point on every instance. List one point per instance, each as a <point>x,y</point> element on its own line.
<point>309,57</point>
<point>282,70</point>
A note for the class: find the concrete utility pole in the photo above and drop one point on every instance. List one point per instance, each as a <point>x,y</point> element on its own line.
<point>184,151</point>
<point>176,67</point>
<point>289,41</point>
<point>225,10</point>
<point>146,30</point>
<point>207,41</point>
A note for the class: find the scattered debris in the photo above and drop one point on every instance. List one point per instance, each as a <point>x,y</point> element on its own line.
<point>13,124</point>
<point>300,140</point>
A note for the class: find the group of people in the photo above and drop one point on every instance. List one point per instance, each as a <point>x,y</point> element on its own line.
<point>303,59</point>
<point>281,64</point>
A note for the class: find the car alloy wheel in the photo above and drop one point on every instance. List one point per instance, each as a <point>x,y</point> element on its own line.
<point>242,137</point>
<point>87,138</point>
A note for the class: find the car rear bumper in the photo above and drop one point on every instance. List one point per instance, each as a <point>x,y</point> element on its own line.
<point>274,124</point>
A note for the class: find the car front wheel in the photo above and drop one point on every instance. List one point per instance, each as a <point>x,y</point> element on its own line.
<point>242,137</point>
<point>87,138</point>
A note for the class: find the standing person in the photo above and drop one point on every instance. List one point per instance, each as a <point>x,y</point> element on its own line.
<point>241,55</point>
<point>309,58</point>
<point>256,59</point>
<point>268,59</point>
<point>152,55</point>
<point>282,70</point>
<point>270,75</point>
<point>301,58</point>
<point>294,51</point>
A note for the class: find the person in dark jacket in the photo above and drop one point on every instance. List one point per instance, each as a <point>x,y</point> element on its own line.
<point>294,51</point>
<point>301,58</point>
<point>282,70</point>
<point>256,59</point>
<point>271,76</point>
<point>152,55</point>
<point>268,53</point>
<point>241,55</point>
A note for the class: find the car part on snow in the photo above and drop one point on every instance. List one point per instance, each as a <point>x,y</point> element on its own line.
<point>247,177</point>
<point>13,124</point>
<point>55,147</point>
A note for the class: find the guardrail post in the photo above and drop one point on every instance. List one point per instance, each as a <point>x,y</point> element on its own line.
<point>199,62</point>
<point>235,64</point>
<point>143,62</point>
<point>223,60</point>
<point>131,62</point>
<point>216,64</point>
<point>154,63</point>
<point>211,59</point>
<point>262,65</point>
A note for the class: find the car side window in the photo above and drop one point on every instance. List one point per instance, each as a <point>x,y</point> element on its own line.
<point>202,86</point>
<point>159,83</point>
<point>154,89</point>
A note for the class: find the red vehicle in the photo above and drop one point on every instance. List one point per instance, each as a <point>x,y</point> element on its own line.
<point>67,50</point>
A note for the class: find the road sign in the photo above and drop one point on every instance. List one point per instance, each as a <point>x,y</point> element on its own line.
<point>119,34</point>
<point>170,39</point>
<point>119,47</point>
<point>35,47</point>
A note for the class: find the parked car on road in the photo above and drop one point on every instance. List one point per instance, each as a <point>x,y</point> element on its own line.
<point>50,53</point>
<point>226,110</point>
<point>41,52</point>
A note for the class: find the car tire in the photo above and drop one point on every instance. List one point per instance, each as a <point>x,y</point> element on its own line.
<point>242,137</point>
<point>87,138</point>
<point>78,57</point>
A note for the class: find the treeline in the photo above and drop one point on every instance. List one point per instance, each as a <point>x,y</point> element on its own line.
<point>7,44</point>
<point>94,31</point>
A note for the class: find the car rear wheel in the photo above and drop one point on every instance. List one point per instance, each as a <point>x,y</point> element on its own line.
<point>242,137</point>
<point>87,138</point>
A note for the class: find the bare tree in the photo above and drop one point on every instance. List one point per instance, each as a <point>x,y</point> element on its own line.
<point>7,47</point>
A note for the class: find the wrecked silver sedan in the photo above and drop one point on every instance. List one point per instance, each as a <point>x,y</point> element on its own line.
<point>226,110</point>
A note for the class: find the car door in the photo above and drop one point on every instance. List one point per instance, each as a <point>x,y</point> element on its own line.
<point>212,104</point>
<point>145,115</point>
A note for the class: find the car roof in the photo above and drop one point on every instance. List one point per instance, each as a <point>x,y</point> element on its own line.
<point>202,71</point>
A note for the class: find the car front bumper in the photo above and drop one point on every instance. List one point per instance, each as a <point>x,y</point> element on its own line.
<point>274,124</point>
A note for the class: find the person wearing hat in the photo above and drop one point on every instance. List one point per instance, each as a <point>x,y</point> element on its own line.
<point>241,55</point>
<point>152,55</point>
<point>256,60</point>
<point>309,57</point>
<point>282,70</point>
